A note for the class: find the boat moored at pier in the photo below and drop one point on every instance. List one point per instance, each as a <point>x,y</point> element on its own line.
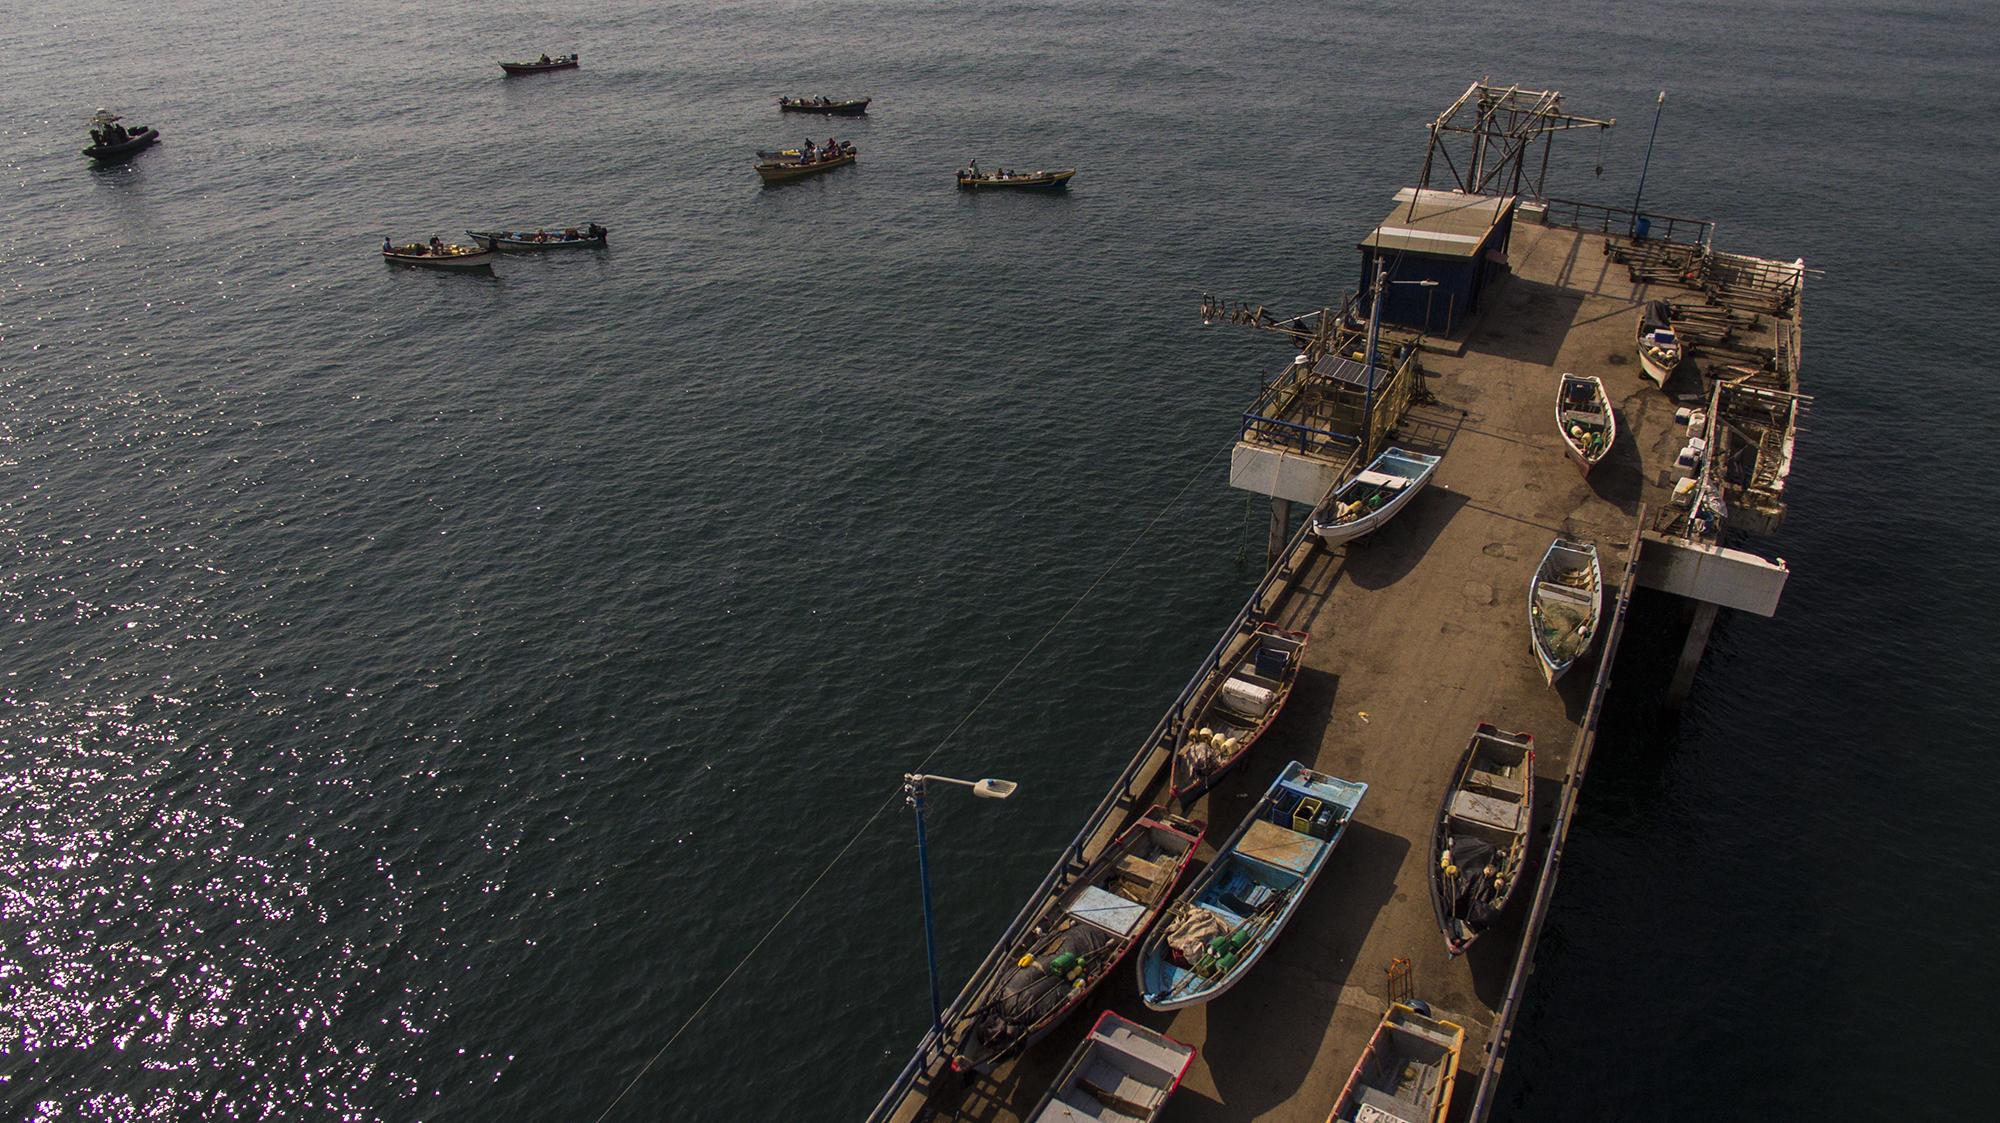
<point>1240,699</point>
<point>1372,497</point>
<point>1480,846</point>
<point>1406,1073</point>
<point>1565,598</point>
<point>1234,910</point>
<point>1660,349</point>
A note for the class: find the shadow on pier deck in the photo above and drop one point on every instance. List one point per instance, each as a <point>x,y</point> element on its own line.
<point>1418,634</point>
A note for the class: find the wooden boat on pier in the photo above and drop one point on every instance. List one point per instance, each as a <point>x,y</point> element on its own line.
<point>1480,846</point>
<point>588,236</point>
<point>1234,705</point>
<point>972,179</point>
<point>1372,497</point>
<point>836,107</point>
<point>1085,933</point>
<point>1122,1073</point>
<point>1565,598</point>
<point>784,171</point>
<point>541,65</point>
<point>1660,349</point>
<point>1406,1072</point>
<point>1584,417</point>
<point>111,141</point>
<point>1222,923</point>
<point>463,258</point>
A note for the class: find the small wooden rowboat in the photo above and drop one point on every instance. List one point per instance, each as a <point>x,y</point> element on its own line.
<point>545,63</point>
<point>1361,505</point>
<point>453,257</point>
<point>1480,846</point>
<point>1221,924</point>
<point>1056,180</point>
<point>1564,599</point>
<point>1080,939</point>
<point>1406,1072</point>
<point>1122,1073</point>
<point>1234,705</point>
<point>1584,417</point>
<point>588,236</point>
<point>1660,348</point>
<point>850,107</point>
<point>782,171</point>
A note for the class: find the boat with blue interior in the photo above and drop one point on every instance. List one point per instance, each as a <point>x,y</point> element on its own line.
<point>1372,497</point>
<point>1233,911</point>
<point>1121,1073</point>
<point>1235,703</point>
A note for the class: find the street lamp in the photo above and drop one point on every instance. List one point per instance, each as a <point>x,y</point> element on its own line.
<point>913,791</point>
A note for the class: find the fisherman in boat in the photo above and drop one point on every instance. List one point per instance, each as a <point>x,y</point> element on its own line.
<point>386,246</point>
<point>544,59</point>
<point>437,246</point>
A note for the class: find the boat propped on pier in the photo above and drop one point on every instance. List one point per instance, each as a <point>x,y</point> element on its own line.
<point>1239,700</point>
<point>1565,598</point>
<point>1584,417</point>
<point>1406,1073</point>
<point>1660,349</point>
<point>1122,1073</point>
<point>1223,922</point>
<point>1372,497</point>
<point>1480,846</point>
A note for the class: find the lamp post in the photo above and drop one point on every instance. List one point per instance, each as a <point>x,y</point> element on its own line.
<point>1658,108</point>
<point>913,791</point>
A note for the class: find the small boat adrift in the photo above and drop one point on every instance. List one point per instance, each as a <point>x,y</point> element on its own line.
<point>1122,1073</point>
<point>586,236</point>
<point>836,107</point>
<point>1565,598</point>
<point>1660,349</point>
<point>1584,417</point>
<point>1235,704</point>
<point>1232,912</point>
<point>1479,848</point>
<point>1006,179</point>
<point>1406,1073</point>
<point>1092,922</point>
<point>1360,506</point>
<point>541,65</point>
<point>438,255</point>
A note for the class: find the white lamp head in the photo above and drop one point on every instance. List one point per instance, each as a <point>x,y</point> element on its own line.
<point>994,789</point>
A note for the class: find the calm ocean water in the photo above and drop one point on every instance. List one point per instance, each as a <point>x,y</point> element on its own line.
<point>421,690</point>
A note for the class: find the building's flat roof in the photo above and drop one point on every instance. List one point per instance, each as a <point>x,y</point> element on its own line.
<point>1438,223</point>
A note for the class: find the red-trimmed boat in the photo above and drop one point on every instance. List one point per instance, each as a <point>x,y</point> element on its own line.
<point>1235,704</point>
<point>1085,928</point>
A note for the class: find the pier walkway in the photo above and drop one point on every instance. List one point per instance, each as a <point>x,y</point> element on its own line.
<point>1418,634</point>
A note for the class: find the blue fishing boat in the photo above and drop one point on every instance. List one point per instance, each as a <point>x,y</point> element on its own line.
<point>1218,928</point>
<point>1372,497</point>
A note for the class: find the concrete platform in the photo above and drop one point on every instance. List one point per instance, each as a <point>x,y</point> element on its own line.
<point>1418,634</point>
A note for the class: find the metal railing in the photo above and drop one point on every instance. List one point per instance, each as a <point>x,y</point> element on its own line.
<point>1623,222</point>
<point>1278,575</point>
<point>1545,888</point>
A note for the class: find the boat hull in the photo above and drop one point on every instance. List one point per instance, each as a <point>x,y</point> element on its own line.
<point>1050,181</point>
<point>1412,1059</point>
<point>786,173</point>
<point>464,262</point>
<point>855,107</point>
<point>1572,410</point>
<point>110,153</point>
<point>1488,804</point>
<point>493,240</point>
<point>1211,710</point>
<point>1413,467</point>
<point>516,69</point>
<point>1251,890</point>
<point>1547,594</point>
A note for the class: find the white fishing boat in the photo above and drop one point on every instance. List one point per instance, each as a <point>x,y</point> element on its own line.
<point>1480,845</point>
<point>1660,348</point>
<point>1565,598</point>
<point>1122,1073</point>
<point>1361,505</point>
<point>1584,417</point>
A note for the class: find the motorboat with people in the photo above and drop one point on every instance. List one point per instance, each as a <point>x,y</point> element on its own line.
<point>438,254</point>
<point>807,160</point>
<point>835,107</point>
<point>586,236</point>
<point>541,65</point>
<point>970,178</point>
<point>111,140</point>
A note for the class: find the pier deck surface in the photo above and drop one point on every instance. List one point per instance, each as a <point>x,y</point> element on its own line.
<point>1418,634</point>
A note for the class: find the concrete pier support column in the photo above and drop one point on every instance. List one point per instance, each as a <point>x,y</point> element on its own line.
<point>1281,526</point>
<point>1691,652</point>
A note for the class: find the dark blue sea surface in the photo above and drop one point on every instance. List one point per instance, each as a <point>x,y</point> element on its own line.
<point>421,691</point>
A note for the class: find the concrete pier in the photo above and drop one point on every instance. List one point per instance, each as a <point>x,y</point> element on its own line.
<point>1418,634</point>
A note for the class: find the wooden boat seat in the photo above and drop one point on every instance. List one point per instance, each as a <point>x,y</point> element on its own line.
<point>1486,811</point>
<point>1509,782</point>
<point>1120,1089</point>
<point>1274,845</point>
<point>1140,872</point>
<point>1382,480</point>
